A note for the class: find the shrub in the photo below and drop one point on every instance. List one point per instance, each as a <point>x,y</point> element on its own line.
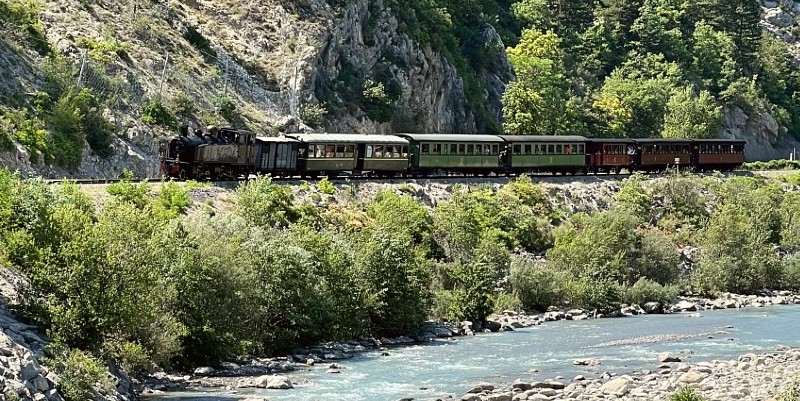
<point>313,114</point>
<point>29,131</point>
<point>266,204</point>
<point>537,287</point>
<point>225,107</point>
<point>25,15</point>
<point>172,201</point>
<point>182,104</point>
<point>506,301</point>
<point>686,393</point>
<point>154,113</point>
<point>126,191</point>
<point>791,392</point>
<point>78,373</point>
<point>376,103</point>
<point>325,186</point>
<point>645,290</point>
<point>104,50</point>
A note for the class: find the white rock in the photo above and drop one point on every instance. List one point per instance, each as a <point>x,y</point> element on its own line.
<point>619,386</point>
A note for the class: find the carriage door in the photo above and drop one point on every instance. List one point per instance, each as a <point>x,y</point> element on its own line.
<point>360,154</point>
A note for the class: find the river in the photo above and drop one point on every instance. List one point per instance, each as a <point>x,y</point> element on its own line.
<point>450,367</point>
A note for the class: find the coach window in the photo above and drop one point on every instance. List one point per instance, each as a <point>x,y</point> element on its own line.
<point>378,150</point>
<point>339,150</point>
<point>567,149</point>
<point>389,151</point>
<point>437,148</point>
<point>405,152</point>
<point>396,151</point>
<point>528,149</point>
<point>462,149</point>
<point>580,149</point>
<point>349,150</point>
<point>558,149</point>
<point>425,148</point>
<point>517,149</point>
<point>453,149</point>
<point>551,149</point>
<point>470,149</point>
<point>369,151</point>
<point>495,149</point>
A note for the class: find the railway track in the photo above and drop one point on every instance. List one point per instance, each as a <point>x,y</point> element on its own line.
<point>448,179</point>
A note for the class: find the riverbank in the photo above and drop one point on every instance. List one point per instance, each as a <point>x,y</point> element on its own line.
<point>749,377</point>
<point>331,359</point>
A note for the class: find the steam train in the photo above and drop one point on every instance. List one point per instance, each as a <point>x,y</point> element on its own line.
<point>229,153</point>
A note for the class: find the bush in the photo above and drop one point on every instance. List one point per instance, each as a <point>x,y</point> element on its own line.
<point>686,393</point>
<point>326,187</point>
<point>791,391</point>
<point>537,287</point>
<point>25,15</point>
<point>313,114</point>
<point>226,108</point>
<point>645,290</point>
<point>266,204</point>
<point>172,201</point>
<point>29,131</point>
<point>78,374</point>
<point>154,113</point>
<point>104,50</point>
<point>376,103</point>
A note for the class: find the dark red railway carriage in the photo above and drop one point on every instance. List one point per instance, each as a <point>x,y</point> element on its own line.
<point>610,155</point>
<point>717,154</point>
<point>657,154</point>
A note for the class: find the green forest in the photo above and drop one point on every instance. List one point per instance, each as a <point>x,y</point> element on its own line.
<point>618,68</point>
<point>146,275</point>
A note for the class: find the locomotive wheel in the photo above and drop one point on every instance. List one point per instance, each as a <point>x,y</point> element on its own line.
<point>182,175</point>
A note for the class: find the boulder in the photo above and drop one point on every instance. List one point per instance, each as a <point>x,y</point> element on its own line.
<point>653,307</point>
<point>691,377</point>
<point>686,306</point>
<point>204,371</point>
<point>499,397</point>
<point>481,387</point>
<point>585,362</point>
<point>667,357</point>
<point>273,382</point>
<point>619,386</point>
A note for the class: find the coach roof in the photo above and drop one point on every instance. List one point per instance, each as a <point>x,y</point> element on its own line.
<point>543,138</point>
<point>349,138</point>
<point>452,137</point>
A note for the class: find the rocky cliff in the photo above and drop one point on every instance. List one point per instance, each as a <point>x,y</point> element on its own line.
<point>260,65</point>
<point>276,65</point>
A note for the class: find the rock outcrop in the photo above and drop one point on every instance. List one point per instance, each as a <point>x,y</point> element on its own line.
<point>428,91</point>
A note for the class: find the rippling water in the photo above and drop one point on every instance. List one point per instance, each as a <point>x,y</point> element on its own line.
<point>622,345</point>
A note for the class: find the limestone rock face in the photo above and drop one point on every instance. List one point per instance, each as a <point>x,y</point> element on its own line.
<point>761,132</point>
<point>427,90</point>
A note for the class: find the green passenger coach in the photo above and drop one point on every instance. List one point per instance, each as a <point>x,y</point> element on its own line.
<point>454,152</point>
<point>332,154</point>
<point>555,154</point>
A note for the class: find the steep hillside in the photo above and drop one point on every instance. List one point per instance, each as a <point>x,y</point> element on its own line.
<point>267,66</point>
<point>90,87</point>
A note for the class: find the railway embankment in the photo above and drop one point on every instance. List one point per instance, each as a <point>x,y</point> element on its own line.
<point>180,277</point>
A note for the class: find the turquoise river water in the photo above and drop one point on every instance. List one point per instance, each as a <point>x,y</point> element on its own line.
<point>449,367</point>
